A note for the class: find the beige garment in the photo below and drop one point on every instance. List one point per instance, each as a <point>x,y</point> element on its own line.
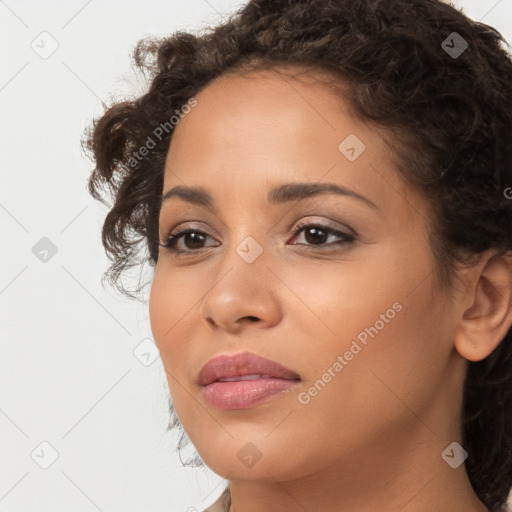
<point>222,504</point>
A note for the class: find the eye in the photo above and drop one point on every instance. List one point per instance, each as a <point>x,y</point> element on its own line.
<point>189,241</point>
<point>190,238</point>
<point>318,234</point>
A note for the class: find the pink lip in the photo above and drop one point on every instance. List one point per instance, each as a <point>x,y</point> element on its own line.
<point>271,378</point>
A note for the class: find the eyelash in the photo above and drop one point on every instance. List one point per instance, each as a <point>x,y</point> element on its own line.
<point>173,238</point>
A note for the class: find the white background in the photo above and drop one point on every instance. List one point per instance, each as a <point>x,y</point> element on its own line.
<point>68,372</point>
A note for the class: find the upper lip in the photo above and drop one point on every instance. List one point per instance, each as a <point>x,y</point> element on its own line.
<point>240,364</point>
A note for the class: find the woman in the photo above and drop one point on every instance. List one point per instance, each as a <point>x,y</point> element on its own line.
<point>324,190</point>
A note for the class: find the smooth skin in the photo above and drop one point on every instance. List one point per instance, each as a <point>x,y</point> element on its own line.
<point>372,437</point>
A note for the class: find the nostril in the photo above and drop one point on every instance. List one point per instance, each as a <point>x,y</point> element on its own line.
<point>252,318</point>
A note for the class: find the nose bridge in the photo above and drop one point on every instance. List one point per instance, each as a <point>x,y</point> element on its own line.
<point>243,271</point>
<point>242,288</point>
<point>246,251</point>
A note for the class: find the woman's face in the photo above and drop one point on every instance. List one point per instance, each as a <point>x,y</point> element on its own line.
<point>358,316</point>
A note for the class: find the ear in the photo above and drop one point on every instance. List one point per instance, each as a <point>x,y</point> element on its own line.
<point>488,318</point>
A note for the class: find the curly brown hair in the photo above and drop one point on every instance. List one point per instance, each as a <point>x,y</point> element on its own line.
<point>449,121</point>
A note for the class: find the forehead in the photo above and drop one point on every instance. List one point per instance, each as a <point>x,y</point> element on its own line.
<point>257,128</point>
<point>283,101</point>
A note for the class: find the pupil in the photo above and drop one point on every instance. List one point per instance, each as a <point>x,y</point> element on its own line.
<point>316,238</point>
<point>313,235</point>
<point>194,238</point>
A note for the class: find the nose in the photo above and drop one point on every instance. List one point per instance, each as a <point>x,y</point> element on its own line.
<point>243,295</point>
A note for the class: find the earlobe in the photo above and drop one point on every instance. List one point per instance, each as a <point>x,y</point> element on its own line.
<point>486,322</point>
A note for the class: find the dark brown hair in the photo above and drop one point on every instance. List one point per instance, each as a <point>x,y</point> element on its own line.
<point>447,110</point>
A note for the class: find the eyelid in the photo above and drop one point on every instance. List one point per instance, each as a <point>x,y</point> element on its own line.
<point>325,223</point>
<point>294,227</point>
<point>345,239</point>
<point>182,226</point>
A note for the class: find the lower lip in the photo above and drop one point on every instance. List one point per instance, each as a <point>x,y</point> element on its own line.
<point>242,394</point>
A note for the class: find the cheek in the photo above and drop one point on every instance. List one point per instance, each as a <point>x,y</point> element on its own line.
<point>160,309</point>
<point>170,301</point>
<point>384,322</point>
<point>167,311</point>
<point>327,308</point>
<point>334,303</point>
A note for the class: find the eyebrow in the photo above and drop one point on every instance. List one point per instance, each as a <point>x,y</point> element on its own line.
<point>277,195</point>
